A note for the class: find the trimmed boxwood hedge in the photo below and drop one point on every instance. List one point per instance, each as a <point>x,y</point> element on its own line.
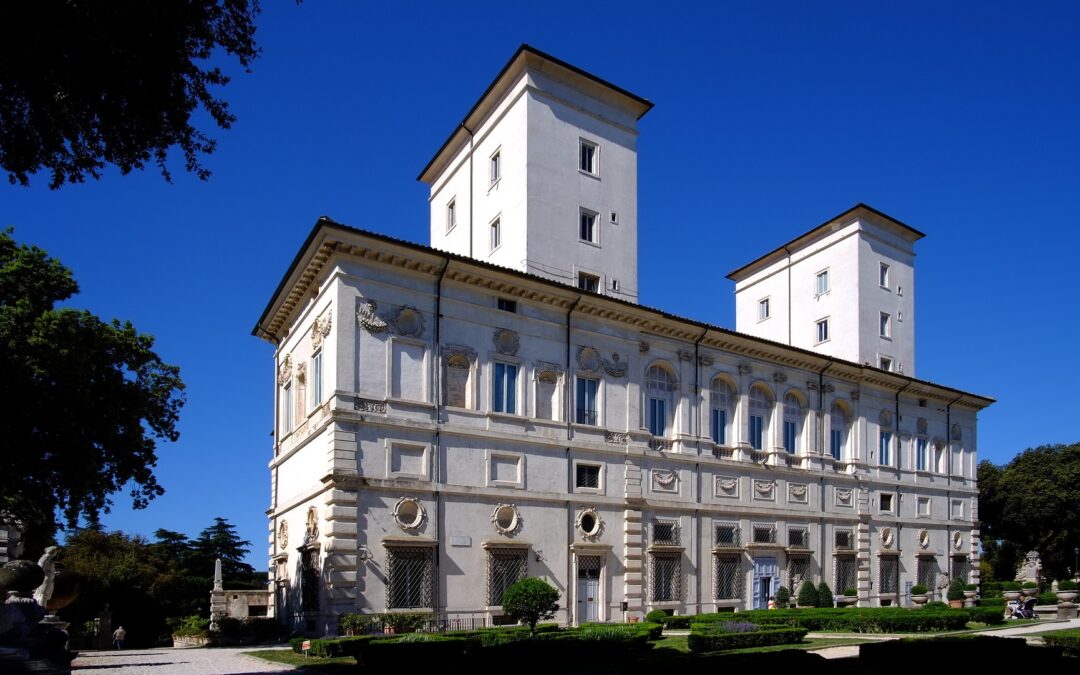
<point>1067,640</point>
<point>854,620</point>
<point>681,622</point>
<point>703,638</point>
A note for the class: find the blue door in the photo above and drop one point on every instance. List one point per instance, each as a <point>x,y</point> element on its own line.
<point>766,581</point>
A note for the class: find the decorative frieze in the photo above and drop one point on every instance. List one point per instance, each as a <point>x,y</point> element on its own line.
<point>779,377</point>
<point>798,492</point>
<point>686,355</point>
<point>659,444</point>
<point>843,497</point>
<point>369,405</point>
<point>589,358</point>
<point>764,489</point>
<point>706,361</point>
<point>616,437</point>
<point>745,369</point>
<point>665,480</point>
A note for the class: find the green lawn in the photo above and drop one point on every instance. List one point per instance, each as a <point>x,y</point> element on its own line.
<point>338,665</point>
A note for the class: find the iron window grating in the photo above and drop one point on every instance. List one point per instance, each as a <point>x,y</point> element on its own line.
<point>798,571</point>
<point>727,535</point>
<point>666,578</point>
<point>727,571</point>
<point>665,533</point>
<point>764,534</point>
<point>506,566</point>
<point>926,573</point>
<point>844,540</point>
<point>588,476</point>
<point>409,577</point>
<point>889,575</point>
<point>846,574</point>
<point>798,537</point>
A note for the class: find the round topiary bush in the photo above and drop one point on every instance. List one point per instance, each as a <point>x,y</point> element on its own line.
<point>956,589</point>
<point>783,597</point>
<point>808,596</point>
<point>1010,586</point>
<point>918,589</point>
<point>825,596</point>
<point>1067,585</point>
<point>530,601</point>
<point>656,616</point>
<point>1029,584</point>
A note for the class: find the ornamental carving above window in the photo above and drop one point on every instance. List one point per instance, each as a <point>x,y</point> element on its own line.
<point>589,523</point>
<point>506,341</point>
<point>665,480</point>
<point>409,321</point>
<point>320,328</point>
<point>368,318</point>
<point>284,373</point>
<point>726,486</point>
<point>283,534</point>
<point>590,359</point>
<point>885,419</point>
<point>885,535</point>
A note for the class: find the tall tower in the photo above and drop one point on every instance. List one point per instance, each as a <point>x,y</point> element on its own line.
<point>541,177</point>
<point>845,288</point>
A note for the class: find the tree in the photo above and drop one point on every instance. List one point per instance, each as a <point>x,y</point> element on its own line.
<point>530,601</point>
<point>84,401</point>
<point>220,541</point>
<point>85,84</point>
<point>1032,503</point>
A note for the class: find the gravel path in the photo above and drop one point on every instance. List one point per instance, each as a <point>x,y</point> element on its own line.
<point>169,661</point>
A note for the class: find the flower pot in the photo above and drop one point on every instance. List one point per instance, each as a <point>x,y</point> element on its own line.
<point>846,600</point>
<point>920,600</point>
<point>1029,592</point>
<point>1066,596</point>
<point>633,618</point>
<point>956,604</point>
<point>970,594</point>
<point>1011,595</point>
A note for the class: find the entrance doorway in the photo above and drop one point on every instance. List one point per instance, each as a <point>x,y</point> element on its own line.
<point>588,588</point>
<point>766,581</point>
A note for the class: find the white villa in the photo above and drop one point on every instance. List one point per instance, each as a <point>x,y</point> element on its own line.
<point>452,418</point>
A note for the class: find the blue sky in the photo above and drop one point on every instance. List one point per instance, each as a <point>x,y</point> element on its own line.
<point>960,119</point>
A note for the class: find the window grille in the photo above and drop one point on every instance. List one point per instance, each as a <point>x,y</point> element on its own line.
<point>309,580</point>
<point>846,574</point>
<point>961,568</point>
<point>927,573</point>
<point>764,534</point>
<point>798,571</point>
<point>665,533</point>
<point>889,575</point>
<point>798,538</point>
<point>588,567</point>
<point>506,566</point>
<point>729,577</point>
<point>727,535</point>
<point>409,577</point>
<point>666,577</point>
<point>588,476</point>
<point>845,540</point>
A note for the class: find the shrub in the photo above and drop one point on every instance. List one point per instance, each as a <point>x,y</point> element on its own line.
<point>851,593</point>
<point>1010,585</point>
<point>936,604</point>
<point>854,620</point>
<point>956,589</point>
<point>996,603</point>
<point>783,598</point>
<point>1067,585</point>
<point>970,587</point>
<point>677,622</point>
<point>1029,584</point>
<point>656,616</point>
<point>330,648</point>
<point>1067,640</point>
<point>297,644</point>
<point>825,596</point>
<point>717,640</point>
<point>1047,598</point>
<point>356,624</point>
<point>918,589</point>
<point>405,622</point>
<point>531,600</point>
<point>190,626</point>
<point>991,616</point>
<point>808,595</point>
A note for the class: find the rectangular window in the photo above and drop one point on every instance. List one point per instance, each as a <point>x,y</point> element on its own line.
<point>885,363</point>
<point>886,325</point>
<point>924,507</point>
<point>504,397</point>
<point>588,158</point>
<point>789,436</point>
<point>920,454</point>
<point>957,508</point>
<point>884,447</point>
<point>798,538</point>
<point>588,282</point>
<point>836,442</point>
<point>506,566</point>
<point>756,427</point>
<point>587,476</point>
<point>764,534</point>
<point>496,167</point>
<point>657,417</point>
<point>727,535</point>
<point>728,577</point>
<point>586,400</point>
<point>821,283</point>
<point>409,575</point>
<point>614,218</point>
<point>889,575</point>
<point>665,533</point>
<point>614,284</point>
<point>883,275</point>
<point>885,501</point>
<point>763,309</point>
<point>316,379</point>
<point>926,572</point>
<point>451,215</point>
<point>666,577</point>
<point>496,233</point>
<point>822,330</point>
<point>719,426</point>
<point>287,408</point>
<point>587,230</point>
<point>507,305</point>
<point>798,571</point>
<point>844,540</point>
<point>846,571</point>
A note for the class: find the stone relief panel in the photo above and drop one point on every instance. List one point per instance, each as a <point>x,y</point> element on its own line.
<point>885,419</point>
<point>958,541</point>
<point>311,529</point>
<point>920,425</point>
<point>665,480</point>
<point>506,341</point>
<point>798,493</point>
<point>301,373</point>
<point>924,539</point>
<point>283,534</point>
<point>956,433</point>
<point>843,497</point>
<point>285,370</point>
<point>885,536</point>
<point>320,328</point>
<point>616,437</point>
<point>409,514</point>
<point>369,405</point>
<point>408,321</point>
<point>368,318</point>
<point>589,524</point>
<point>726,486</point>
<point>765,489</point>
<point>589,358</point>
<point>506,519</point>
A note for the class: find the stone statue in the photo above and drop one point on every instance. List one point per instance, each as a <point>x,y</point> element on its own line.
<point>43,593</point>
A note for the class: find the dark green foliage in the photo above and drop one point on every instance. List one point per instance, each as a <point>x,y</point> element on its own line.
<point>680,622</point>
<point>1067,640</point>
<point>190,626</point>
<point>297,644</point>
<point>530,601</point>
<point>1047,598</point>
<point>656,616</point>
<point>936,604</point>
<point>1029,584</point>
<point>853,620</point>
<point>969,653</point>
<point>1010,585</point>
<point>1030,504</point>
<point>956,589</point>
<point>808,595</point>
<point>87,400</point>
<point>997,603</point>
<point>825,596</point>
<point>1067,585</point>
<point>88,84</point>
<point>709,639</point>
<point>918,589</point>
<point>991,616</point>
<point>783,597</point>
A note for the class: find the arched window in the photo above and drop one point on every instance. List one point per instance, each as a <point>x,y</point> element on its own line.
<point>838,430</point>
<point>760,403</point>
<point>793,422</point>
<point>658,387</point>
<point>720,397</point>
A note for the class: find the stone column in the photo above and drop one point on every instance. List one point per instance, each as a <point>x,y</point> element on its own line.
<point>863,557</point>
<point>633,550</point>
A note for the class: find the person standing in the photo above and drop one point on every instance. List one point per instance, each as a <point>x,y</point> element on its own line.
<point>118,638</point>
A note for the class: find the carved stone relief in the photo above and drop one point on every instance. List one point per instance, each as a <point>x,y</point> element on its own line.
<point>369,405</point>
<point>745,369</point>
<point>320,328</point>
<point>956,434</point>
<point>284,373</point>
<point>885,534</point>
<point>301,373</point>
<point>283,534</point>
<point>921,425</point>
<point>843,496</point>
<point>409,321</point>
<point>686,355</point>
<point>764,489</point>
<point>589,523</point>
<point>409,514</point>
<point>643,347</point>
<point>665,480</point>
<point>464,356</point>
<point>811,385</point>
<point>616,437</point>
<point>958,541</point>
<point>706,361</point>
<point>506,519</point>
<point>589,358</point>
<point>311,531</point>
<point>506,341</point>
<point>798,492</point>
<point>726,486</point>
<point>779,377</point>
<point>368,318</point>
<point>885,419</point>
<point>924,539</point>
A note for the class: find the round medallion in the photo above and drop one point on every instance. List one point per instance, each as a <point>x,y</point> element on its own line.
<point>886,537</point>
<point>283,534</point>
<point>589,523</point>
<point>957,541</point>
<point>506,519</point>
<point>409,513</point>
<point>924,539</point>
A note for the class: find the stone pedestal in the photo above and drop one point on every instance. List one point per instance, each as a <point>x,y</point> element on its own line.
<point>1066,610</point>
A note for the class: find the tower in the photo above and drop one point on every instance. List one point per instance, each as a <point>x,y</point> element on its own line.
<point>541,177</point>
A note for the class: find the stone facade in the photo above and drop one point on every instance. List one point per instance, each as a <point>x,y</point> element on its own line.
<point>446,426</point>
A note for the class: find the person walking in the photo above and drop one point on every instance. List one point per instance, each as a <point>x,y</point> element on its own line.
<point>118,638</point>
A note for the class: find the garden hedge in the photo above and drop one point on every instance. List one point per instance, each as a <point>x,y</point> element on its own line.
<point>1067,640</point>
<point>854,620</point>
<point>706,639</point>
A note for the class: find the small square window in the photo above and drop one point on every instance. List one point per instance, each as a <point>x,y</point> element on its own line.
<point>507,305</point>
<point>844,540</point>
<point>823,330</point>
<point>614,218</point>
<point>764,534</point>
<point>957,508</point>
<point>924,507</point>
<point>496,167</point>
<point>496,233</point>
<point>451,215</point>
<point>886,503</point>
<point>883,275</point>
<point>665,533</point>
<point>587,476</point>
<point>763,309</point>
<point>885,325</point>
<point>588,158</point>
<point>821,285</point>
<point>588,229</point>
<point>614,284</point>
<point>885,363</point>
<point>588,282</point>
